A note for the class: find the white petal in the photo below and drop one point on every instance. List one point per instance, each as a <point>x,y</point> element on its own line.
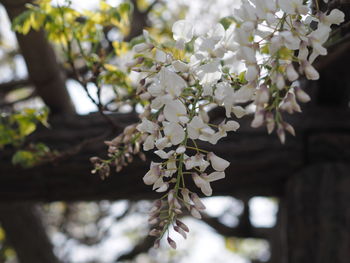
<point>182,30</point>
<point>218,163</point>
<point>214,176</point>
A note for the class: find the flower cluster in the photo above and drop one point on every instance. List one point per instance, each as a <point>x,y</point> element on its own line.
<point>253,60</point>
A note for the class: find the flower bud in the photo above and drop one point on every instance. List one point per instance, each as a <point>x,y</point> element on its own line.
<point>302,96</point>
<point>197,202</point>
<point>310,72</point>
<point>270,122</point>
<point>182,225</point>
<point>142,47</point>
<point>258,119</point>
<point>262,95</point>
<point>180,231</point>
<point>291,73</point>
<point>289,128</point>
<point>195,213</point>
<point>154,232</point>
<point>171,242</point>
<point>281,134</point>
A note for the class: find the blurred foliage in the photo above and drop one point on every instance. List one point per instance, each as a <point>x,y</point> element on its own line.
<point>7,254</point>
<point>15,127</point>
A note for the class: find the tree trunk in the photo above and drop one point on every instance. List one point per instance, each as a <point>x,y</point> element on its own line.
<point>43,69</point>
<point>25,232</point>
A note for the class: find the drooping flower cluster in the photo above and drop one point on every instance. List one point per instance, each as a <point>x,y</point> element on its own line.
<point>254,60</point>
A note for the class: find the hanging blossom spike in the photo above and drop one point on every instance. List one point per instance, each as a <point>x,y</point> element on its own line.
<point>256,61</point>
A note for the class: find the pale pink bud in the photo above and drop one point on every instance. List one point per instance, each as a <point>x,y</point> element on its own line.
<point>197,202</point>
<point>142,47</point>
<point>302,95</point>
<point>281,134</point>
<point>262,95</point>
<point>182,225</point>
<point>154,232</point>
<point>156,206</point>
<point>310,72</point>
<point>289,104</point>
<point>270,122</point>
<point>280,83</point>
<point>177,204</point>
<point>289,128</point>
<point>303,51</point>
<point>171,196</point>
<point>185,194</point>
<point>258,119</point>
<point>153,220</point>
<point>172,243</point>
<point>195,213</point>
<point>180,231</point>
<point>292,75</point>
<point>177,211</point>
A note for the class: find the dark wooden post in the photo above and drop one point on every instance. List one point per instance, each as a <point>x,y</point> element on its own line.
<point>318,200</point>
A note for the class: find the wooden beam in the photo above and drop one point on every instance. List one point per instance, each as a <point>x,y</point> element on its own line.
<point>43,68</point>
<point>260,164</point>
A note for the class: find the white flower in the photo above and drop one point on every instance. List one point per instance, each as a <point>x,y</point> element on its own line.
<point>218,163</point>
<point>163,154</point>
<point>162,142</point>
<point>160,56</point>
<point>173,110</point>
<point>172,83</point>
<point>293,7</point>
<point>203,184</point>
<point>291,73</point>
<point>231,126</point>
<point>196,161</point>
<point>149,143</point>
<point>180,66</point>
<point>194,127</point>
<point>147,126</point>
<point>174,132</point>
<point>291,41</point>
<point>203,181</point>
<point>153,174</point>
<point>160,185</point>
<point>182,32</point>
<point>252,73</point>
<point>209,74</point>
<point>335,17</point>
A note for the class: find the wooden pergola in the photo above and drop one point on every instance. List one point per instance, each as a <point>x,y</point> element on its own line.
<point>310,174</point>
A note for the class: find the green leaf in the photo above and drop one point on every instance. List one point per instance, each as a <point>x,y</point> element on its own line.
<point>24,158</point>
